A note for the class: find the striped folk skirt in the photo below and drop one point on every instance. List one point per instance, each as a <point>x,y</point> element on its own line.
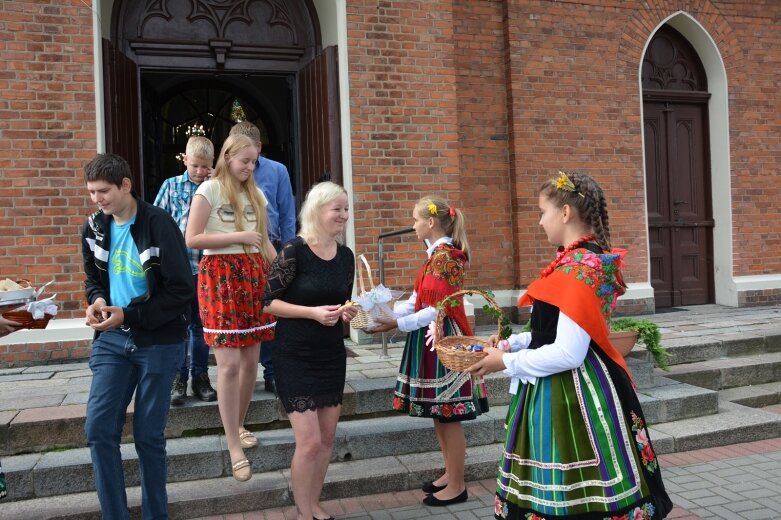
<point>3,491</point>
<point>577,448</point>
<point>425,388</point>
<point>230,295</point>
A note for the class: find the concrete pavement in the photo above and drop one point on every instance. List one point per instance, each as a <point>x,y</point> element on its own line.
<point>739,481</point>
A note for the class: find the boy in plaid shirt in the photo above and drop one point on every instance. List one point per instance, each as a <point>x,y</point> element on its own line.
<point>175,196</point>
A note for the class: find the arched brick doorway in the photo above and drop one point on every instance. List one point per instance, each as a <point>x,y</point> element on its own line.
<point>678,183</point>
<point>173,63</point>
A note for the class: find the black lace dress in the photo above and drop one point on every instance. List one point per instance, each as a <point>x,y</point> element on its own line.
<point>309,358</point>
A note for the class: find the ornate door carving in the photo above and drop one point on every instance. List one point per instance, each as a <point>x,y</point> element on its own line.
<point>680,217</point>
<point>246,35</point>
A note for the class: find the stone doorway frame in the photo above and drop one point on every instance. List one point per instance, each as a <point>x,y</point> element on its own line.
<point>332,15</point>
<point>725,285</point>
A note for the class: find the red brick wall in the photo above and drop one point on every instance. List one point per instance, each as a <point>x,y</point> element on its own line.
<point>560,80</point>
<point>404,121</point>
<point>750,46</point>
<point>575,104</point>
<point>477,100</point>
<point>483,142</point>
<point>47,130</point>
<point>748,32</point>
<point>428,116</point>
<point>570,111</point>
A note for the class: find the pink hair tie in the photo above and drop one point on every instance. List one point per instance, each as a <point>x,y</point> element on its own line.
<point>452,212</point>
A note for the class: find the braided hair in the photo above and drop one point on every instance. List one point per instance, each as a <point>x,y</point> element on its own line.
<point>588,199</point>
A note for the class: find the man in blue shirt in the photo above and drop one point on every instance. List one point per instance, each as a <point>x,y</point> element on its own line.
<point>273,178</point>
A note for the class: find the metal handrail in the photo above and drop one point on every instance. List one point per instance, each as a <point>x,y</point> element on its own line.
<point>382,273</point>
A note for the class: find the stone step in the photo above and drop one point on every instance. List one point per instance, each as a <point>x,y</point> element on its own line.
<point>755,396</point>
<point>671,400</point>
<point>733,424</point>
<point>221,495</point>
<point>47,427</point>
<point>642,372</point>
<point>70,471</point>
<point>697,347</point>
<point>729,372</point>
<point>203,457</point>
<point>46,423</point>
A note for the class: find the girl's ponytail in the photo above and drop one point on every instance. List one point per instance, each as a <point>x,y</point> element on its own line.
<point>459,231</point>
<point>450,218</point>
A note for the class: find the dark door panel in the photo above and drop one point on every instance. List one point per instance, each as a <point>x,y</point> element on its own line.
<point>678,196</point>
<point>121,102</point>
<point>678,193</point>
<point>319,124</point>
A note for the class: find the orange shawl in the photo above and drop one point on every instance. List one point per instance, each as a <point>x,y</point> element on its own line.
<point>585,287</point>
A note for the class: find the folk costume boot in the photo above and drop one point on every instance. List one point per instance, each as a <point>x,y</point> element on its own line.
<point>202,388</point>
<point>178,391</point>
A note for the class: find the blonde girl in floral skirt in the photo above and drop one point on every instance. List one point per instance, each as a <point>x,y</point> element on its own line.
<point>228,222</point>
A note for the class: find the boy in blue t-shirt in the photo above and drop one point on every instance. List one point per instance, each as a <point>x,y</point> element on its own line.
<point>139,290</point>
<point>175,196</point>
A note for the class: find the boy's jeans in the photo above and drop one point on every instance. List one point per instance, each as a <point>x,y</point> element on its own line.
<point>118,369</point>
<point>198,350</point>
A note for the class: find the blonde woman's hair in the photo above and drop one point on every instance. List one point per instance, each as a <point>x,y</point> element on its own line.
<point>199,147</point>
<point>450,218</point>
<point>321,194</point>
<point>232,146</point>
<point>248,129</point>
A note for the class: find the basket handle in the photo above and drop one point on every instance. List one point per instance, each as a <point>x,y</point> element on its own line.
<point>440,320</point>
<point>364,268</point>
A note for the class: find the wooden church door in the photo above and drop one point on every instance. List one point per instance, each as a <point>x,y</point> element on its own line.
<point>239,45</point>
<point>678,192</point>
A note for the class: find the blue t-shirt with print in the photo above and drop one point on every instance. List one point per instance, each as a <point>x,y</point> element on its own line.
<point>125,271</point>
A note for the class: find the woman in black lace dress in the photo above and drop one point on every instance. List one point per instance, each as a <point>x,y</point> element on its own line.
<point>310,279</point>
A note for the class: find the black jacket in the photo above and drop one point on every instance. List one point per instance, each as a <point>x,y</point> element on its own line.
<point>160,316</point>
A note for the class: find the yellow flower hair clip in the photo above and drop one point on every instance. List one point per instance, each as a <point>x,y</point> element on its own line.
<point>564,183</point>
<point>432,209</point>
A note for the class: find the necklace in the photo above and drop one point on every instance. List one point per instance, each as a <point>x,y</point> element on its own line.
<point>561,253</point>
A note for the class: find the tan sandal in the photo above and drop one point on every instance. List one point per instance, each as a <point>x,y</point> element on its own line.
<point>247,439</point>
<point>242,471</point>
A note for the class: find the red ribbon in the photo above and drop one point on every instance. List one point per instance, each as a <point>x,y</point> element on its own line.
<point>452,212</point>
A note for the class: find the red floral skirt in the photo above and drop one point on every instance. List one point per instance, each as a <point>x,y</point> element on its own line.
<point>230,295</point>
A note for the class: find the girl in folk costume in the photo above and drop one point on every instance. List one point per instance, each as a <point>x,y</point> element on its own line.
<point>425,388</point>
<point>577,444</point>
<point>228,222</point>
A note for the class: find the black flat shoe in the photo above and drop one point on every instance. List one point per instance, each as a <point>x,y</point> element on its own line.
<point>433,501</point>
<point>329,518</point>
<point>429,487</point>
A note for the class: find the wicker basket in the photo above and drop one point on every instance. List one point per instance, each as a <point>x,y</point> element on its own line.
<point>449,348</point>
<point>26,321</point>
<point>363,319</point>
